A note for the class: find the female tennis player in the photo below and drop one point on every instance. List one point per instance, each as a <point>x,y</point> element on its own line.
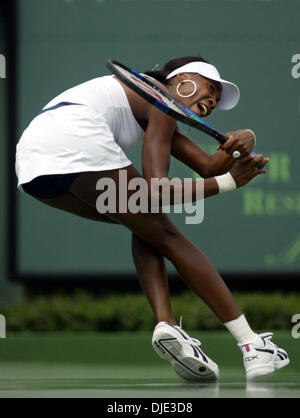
<point>79,138</point>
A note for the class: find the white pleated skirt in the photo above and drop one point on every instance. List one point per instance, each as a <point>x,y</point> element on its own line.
<point>67,139</point>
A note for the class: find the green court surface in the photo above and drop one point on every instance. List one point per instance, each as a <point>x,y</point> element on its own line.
<point>124,365</point>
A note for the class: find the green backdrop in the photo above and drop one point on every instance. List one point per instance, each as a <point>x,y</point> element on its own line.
<point>253,42</point>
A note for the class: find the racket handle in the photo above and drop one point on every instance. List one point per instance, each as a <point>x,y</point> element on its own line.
<point>255,155</point>
<point>221,138</point>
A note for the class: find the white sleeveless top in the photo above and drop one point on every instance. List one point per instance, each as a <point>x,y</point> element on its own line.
<point>89,134</point>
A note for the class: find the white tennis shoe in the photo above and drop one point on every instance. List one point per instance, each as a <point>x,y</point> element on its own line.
<point>184,353</point>
<point>263,356</point>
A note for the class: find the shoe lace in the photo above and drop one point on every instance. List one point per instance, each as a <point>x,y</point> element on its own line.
<point>267,336</point>
<point>193,340</point>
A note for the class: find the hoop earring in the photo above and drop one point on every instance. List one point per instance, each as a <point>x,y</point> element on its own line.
<point>186,81</point>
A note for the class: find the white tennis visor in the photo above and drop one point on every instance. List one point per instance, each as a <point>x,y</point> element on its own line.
<point>230,91</point>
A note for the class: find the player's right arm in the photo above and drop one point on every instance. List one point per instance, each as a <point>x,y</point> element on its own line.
<point>157,149</point>
<point>202,163</point>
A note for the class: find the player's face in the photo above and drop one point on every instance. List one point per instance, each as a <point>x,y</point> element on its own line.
<point>204,100</point>
<point>206,97</point>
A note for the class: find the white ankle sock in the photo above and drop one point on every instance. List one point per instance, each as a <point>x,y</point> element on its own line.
<point>241,330</point>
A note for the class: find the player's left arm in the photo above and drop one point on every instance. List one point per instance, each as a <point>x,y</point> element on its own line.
<point>189,153</point>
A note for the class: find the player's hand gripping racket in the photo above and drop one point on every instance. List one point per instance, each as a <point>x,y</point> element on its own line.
<point>162,100</point>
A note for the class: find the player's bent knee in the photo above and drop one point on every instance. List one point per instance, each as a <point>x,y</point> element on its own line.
<point>165,240</point>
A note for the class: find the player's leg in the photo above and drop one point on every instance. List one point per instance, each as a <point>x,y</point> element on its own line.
<point>197,271</point>
<point>149,263</point>
<point>151,271</point>
<point>158,230</point>
<point>53,191</point>
<point>69,203</point>
<point>155,230</point>
<point>152,275</point>
<point>77,206</point>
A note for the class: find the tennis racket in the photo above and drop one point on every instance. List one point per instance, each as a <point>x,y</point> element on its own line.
<point>162,100</point>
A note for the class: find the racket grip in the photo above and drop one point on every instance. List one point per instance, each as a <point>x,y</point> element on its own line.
<point>221,138</point>
<point>255,155</point>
